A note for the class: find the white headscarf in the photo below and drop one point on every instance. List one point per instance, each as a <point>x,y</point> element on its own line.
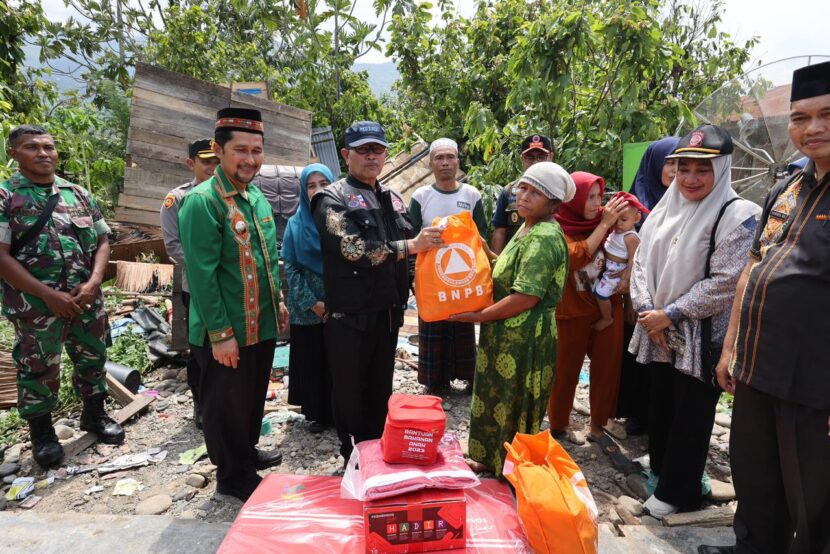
<point>674,240</point>
<point>551,179</point>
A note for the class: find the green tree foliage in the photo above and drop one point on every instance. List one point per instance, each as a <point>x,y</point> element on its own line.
<point>593,75</point>
<point>90,135</point>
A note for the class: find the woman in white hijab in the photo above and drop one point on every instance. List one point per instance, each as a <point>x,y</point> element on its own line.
<point>693,247</point>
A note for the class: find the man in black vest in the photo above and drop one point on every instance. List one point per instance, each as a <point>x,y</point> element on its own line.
<point>780,364</point>
<point>365,238</point>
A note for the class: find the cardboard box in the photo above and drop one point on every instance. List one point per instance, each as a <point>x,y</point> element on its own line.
<point>421,521</point>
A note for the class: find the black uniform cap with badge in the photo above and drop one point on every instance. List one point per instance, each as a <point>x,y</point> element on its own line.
<point>240,119</point>
<point>536,142</point>
<point>810,81</point>
<point>706,141</point>
<point>201,148</point>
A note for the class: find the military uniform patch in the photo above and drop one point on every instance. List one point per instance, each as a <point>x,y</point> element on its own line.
<point>169,200</point>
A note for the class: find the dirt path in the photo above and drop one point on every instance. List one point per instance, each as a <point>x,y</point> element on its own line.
<point>187,491</point>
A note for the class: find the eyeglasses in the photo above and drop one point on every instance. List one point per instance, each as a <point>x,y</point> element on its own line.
<point>374,149</point>
<point>535,156</point>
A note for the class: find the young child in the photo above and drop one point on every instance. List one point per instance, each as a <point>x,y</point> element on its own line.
<point>619,247</point>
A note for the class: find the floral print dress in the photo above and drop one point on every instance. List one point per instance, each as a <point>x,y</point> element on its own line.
<point>516,360</point>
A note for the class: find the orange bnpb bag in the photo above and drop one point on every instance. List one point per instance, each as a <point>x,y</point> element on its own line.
<point>555,506</point>
<point>456,277</point>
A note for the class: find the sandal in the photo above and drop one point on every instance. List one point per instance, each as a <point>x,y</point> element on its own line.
<point>616,430</point>
<point>619,460</point>
<point>573,437</point>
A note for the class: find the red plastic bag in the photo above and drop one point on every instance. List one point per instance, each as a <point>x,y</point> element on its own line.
<point>554,503</point>
<point>368,477</point>
<point>414,426</point>
<point>456,277</point>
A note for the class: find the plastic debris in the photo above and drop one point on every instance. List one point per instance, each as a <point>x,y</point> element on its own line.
<point>126,487</point>
<point>31,501</point>
<point>126,461</point>
<point>193,455</point>
<point>93,490</point>
<point>21,488</point>
<point>265,427</point>
<point>284,416</point>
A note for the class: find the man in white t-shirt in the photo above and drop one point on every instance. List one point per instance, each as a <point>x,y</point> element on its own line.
<point>446,350</point>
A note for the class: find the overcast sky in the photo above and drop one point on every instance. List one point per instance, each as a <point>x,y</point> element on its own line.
<point>786,28</point>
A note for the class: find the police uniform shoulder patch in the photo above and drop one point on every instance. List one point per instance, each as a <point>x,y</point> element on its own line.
<point>169,200</point>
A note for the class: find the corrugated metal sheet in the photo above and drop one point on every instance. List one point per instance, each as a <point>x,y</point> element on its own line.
<point>325,150</point>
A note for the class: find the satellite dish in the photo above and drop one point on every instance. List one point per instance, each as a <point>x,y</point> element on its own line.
<point>754,108</point>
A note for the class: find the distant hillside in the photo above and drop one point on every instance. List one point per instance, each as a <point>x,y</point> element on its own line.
<point>381,75</point>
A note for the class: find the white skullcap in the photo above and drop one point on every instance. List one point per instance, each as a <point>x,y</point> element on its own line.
<point>551,180</point>
<point>443,143</point>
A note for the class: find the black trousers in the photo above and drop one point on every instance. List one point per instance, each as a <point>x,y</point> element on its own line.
<point>682,413</point>
<point>193,370</point>
<point>635,384</point>
<point>233,401</point>
<point>309,385</point>
<point>361,357</point>
<point>780,454</point>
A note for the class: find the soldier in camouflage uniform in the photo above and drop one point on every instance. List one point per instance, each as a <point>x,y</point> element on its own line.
<point>51,292</point>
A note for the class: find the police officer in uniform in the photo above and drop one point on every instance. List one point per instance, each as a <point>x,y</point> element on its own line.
<point>202,161</point>
<point>776,345</point>
<point>53,254</point>
<point>365,241</point>
<point>229,240</point>
<point>506,220</point>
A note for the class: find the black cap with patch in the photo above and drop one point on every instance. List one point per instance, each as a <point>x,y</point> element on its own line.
<point>536,142</point>
<point>810,81</point>
<point>365,132</point>
<point>707,141</point>
<point>201,148</point>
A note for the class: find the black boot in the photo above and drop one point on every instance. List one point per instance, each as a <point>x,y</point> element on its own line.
<point>46,449</point>
<point>96,420</point>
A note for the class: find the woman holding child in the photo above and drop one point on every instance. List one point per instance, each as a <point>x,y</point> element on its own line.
<point>586,225</point>
<point>693,248</point>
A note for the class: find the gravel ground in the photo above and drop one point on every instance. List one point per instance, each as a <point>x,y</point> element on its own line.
<point>187,491</point>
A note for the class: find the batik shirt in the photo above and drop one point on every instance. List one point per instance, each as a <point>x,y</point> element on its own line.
<point>785,309</point>
<point>61,256</point>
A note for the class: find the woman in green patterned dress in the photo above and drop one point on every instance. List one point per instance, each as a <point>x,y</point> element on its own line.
<point>516,359</point>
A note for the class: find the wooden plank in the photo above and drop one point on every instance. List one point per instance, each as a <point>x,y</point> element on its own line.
<point>286,123</point>
<point>142,217</point>
<point>144,189</point>
<point>155,179</point>
<point>147,203</point>
<point>184,101</point>
<point>118,391</point>
<point>181,125</point>
<point>162,168</point>
<point>152,74</point>
<point>268,105</point>
<point>715,517</point>
<point>121,416</point>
